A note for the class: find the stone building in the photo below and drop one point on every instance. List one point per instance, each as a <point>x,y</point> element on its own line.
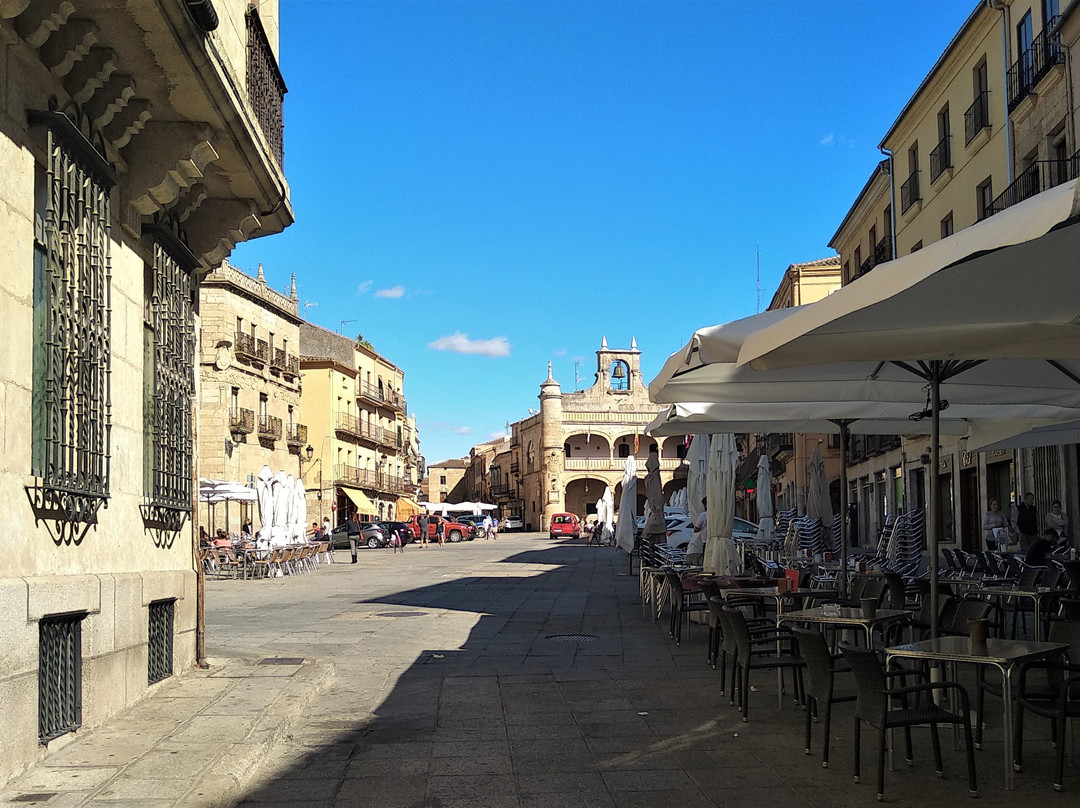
<point>365,447</point>
<point>989,126</point>
<point>249,380</point>
<point>477,480</point>
<point>138,143</point>
<point>561,458</point>
<point>446,480</point>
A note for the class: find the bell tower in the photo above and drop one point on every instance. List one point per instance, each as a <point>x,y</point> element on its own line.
<point>618,372</point>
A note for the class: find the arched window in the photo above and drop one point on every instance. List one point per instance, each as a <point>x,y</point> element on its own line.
<point>566,449</point>
<point>619,374</point>
<point>624,449</point>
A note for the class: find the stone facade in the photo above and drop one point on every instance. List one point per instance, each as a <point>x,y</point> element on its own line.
<point>249,380</point>
<point>560,459</point>
<point>132,158</point>
<point>366,448</point>
<point>446,481</point>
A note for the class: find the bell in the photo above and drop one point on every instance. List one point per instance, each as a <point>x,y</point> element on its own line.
<point>619,372</point>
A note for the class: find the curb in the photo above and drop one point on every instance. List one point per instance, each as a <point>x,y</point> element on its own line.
<point>231,771</point>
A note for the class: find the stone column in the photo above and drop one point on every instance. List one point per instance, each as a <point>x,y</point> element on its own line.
<point>551,450</point>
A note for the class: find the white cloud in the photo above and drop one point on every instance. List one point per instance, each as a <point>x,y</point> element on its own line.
<point>392,292</point>
<point>462,430</point>
<point>497,435</point>
<point>363,288</point>
<point>825,141</point>
<point>560,352</point>
<point>460,343</point>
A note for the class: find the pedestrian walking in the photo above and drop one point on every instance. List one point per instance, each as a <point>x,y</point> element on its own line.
<point>494,528</point>
<point>440,530</point>
<point>588,530</point>
<point>396,542</point>
<point>487,526</point>
<point>422,523</point>
<point>352,529</point>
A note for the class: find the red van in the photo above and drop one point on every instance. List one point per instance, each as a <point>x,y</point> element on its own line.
<point>565,524</point>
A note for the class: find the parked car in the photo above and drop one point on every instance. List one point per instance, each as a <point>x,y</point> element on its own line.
<point>371,535</point>
<point>474,520</point>
<point>564,524</point>
<point>453,530</point>
<point>680,530</point>
<point>512,523</point>
<point>400,529</point>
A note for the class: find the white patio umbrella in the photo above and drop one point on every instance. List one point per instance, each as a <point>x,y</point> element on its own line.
<point>766,527</point>
<point>605,514</point>
<point>655,527</point>
<point>720,555</point>
<point>624,530</point>
<point>988,436</point>
<point>697,458</point>
<point>281,489</point>
<point>818,499</point>
<point>299,512</point>
<point>264,491</point>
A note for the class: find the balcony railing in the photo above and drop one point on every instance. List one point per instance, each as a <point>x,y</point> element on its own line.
<point>613,463</point>
<point>1036,178</point>
<point>781,444</point>
<point>266,87</point>
<point>269,427</point>
<point>373,480</point>
<point>369,391</point>
<point>977,116</point>
<point>940,158</point>
<point>251,349</point>
<point>292,366</point>
<point>909,192</point>
<point>279,360</point>
<point>395,400</point>
<point>515,467</point>
<point>500,489</point>
<point>295,434</point>
<point>242,421</point>
<point>1034,64</point>
<point>882,253</point>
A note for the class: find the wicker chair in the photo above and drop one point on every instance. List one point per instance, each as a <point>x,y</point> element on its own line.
<point>681,605</point>
<point>770,649</point>
<point>1058,700</point>
<point>872,706</point>
<point>821,692</point>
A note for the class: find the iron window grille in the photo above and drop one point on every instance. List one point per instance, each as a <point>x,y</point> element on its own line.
<point>72,412</point>
<point>266,87</point>
<point>59,676</point>
<point>160,645</point>
<point>169,491</point>
<point>976,117</point>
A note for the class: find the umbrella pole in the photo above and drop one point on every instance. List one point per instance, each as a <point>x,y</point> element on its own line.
<point>935,491</point>
<point>845,434</point>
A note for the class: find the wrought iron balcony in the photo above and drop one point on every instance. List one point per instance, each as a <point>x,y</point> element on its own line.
<point>296,434</point>
<point>883,250</point>
<point>909,192</point>
<point>1036,178</point>
<point>515,467</point>
<point>940,158</point>
<point>781,444</point>
<point>266,87</point>
<point>369,391</point>
<point>292,366</point>
<point>395,400</point>
<point>1034,64</point>
<point>387,437</point>
<point>269,427</point>
<point>245,346</point>
<point>242,421</point>
<point>977,116</point>
<point>279,360</point>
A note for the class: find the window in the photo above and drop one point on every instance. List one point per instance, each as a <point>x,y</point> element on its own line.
<point>984,198</point>
<point>442,479</point>
<point>909,191</point>
<point>71,416</point>
<point>624,449</point>
<point>916,246</point>
<point>941,157</point>
<point>59,676</point>
<point>566,449</point>
<point>977,116</point>
<point>234,401</point>
<point>947,225</point>
<point>858,256</point>
<point>160,644</point>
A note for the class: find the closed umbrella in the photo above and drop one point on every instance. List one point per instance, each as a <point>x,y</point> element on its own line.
<point>605,515</point>
<point>264,491</point>
<point>720,555</point>
<point>655,528</point>
<point>624,530</point>
<point>697,458</point>
<point>766,527</point>
<point>299,513</point>
<point>281,490</point>
<point>818,499</point>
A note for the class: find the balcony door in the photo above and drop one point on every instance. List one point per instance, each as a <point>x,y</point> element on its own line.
<point>1025,36</point>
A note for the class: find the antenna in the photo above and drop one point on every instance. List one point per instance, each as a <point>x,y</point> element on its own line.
<point>341,328</point>
<point>309,303</point>
<point>577,378</point>
<point>757,252</point>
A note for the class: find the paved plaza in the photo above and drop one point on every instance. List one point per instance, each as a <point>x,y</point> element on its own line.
<point>517,672</point>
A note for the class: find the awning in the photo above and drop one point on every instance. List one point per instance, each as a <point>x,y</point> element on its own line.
<point>360,500</point>
<point>406,507</point>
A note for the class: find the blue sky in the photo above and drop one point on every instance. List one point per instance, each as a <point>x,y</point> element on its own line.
<point>483,187</point>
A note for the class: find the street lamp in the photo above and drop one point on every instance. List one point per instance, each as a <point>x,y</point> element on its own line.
<point>310,452</point>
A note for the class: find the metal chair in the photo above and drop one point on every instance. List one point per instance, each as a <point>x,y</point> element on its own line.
<point>1059,701</point>
<point>872,706</point>
<point>681,604</point>
<point>771,649</point>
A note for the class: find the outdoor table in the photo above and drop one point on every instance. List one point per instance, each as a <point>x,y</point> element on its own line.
<point>1005,655</point>
<point>1035,594</point>
<point>848,617</point>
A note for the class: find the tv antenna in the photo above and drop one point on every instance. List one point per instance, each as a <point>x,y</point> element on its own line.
<point>757,252</point>
<point>341,328</point>
<point>577,379</point>
<point>309,303</point>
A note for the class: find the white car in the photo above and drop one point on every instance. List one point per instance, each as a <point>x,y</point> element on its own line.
<point>680,530</point>
<point>511,523</point>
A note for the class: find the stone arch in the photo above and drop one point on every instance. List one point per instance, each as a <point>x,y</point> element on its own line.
<point>673,447</point>
<point>577,499</point>
<point>588,445</point>
<point>619,375</point>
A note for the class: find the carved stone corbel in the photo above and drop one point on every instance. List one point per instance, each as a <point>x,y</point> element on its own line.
<point>37,22</point>
<point>68,45</point>
<point>110,98</point>
<point>12,8</point>
<point>128,122</point>
<point>165,161</point>
<point>218,225</point>
<point>91,72</point>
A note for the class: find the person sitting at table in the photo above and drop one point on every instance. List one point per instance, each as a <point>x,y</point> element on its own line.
<point>204,537</point>
<point>1040,548</point>
<point>222,539</point>
<point>1056,519</point>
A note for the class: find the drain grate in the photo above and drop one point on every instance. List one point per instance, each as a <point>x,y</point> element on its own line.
<point>287,660</point>
<point>570,637</point>
<point>401,614</point>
